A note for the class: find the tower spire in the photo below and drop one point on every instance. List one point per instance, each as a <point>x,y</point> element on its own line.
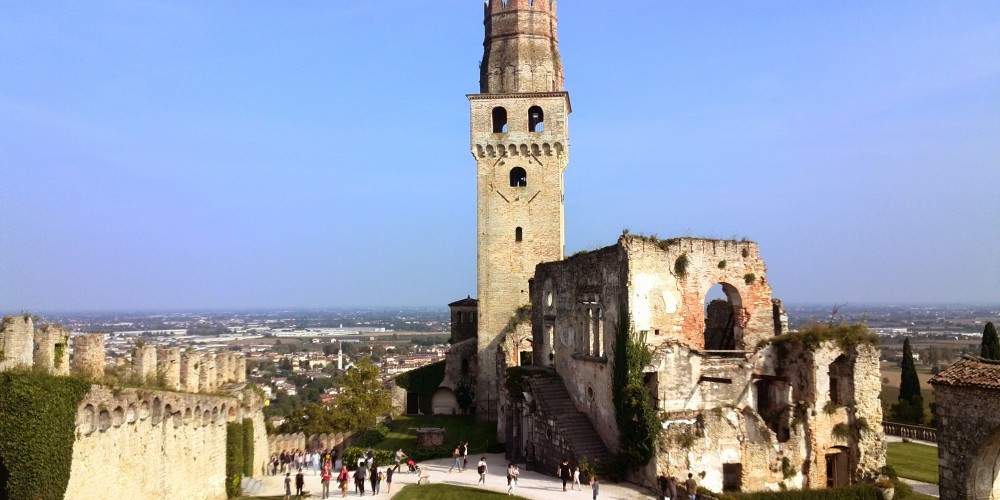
<point>521,49</point>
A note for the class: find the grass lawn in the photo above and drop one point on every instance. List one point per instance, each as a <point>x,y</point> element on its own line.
<point>403,432</point>
<point>448,492</point>
<point>914,461</point>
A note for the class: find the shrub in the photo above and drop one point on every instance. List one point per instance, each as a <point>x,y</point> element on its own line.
<point>37,420</point>
<point>722,264</point>
<point>372,436</point>
<point>749,278</point>
<point>680,265</point>
<point>381,457</point>
<point>248,447</point>
<point>234,459</point>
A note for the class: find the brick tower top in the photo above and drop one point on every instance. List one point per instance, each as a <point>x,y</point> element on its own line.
<point>521,49</point>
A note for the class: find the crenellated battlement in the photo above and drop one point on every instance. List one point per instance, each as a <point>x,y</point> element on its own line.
<point>502,6</point>
<point>47,349</point>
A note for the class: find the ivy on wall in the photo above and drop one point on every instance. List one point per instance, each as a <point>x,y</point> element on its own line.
<point>638,424</point>
<point>423,381</point>
<point>234,459</point>
<point>247,447</point>
<point>37,420</point>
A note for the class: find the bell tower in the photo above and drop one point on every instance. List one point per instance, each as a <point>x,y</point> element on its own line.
<point>520,143</point>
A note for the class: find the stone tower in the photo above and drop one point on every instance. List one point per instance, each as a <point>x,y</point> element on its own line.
<point>519,141</point>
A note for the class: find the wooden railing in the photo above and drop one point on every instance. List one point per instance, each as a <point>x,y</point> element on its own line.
<point>910,431</point>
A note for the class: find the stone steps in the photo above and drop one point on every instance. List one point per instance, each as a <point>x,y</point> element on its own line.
<point>574,426</point>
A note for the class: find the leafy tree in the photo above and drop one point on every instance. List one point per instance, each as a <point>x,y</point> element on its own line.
<point>362,399</point>
<point>991,342</point>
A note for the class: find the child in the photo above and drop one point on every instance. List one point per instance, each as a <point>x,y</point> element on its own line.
<point>595,485</point>
<point>576,479</point>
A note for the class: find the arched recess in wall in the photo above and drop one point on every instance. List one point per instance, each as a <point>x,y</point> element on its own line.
<point>518,177</point>
<point>722,311</point>
<point>984,475</point>
<point>536,119</point>
<point>499,120</point>
<point>840,380</point>
<point>518,234</point>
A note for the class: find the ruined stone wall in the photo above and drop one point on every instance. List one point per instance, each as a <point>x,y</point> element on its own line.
<point>170,367</point>
<point>575,314</point>
<point>672,306</point>
<point>206,381</point>
<point>134,443</point>
<point>968,431</point>
<point>51,350</point>
<point>88,356</point>
<point>534,211</point>
<point>16,342</point>
<point>190,371</point>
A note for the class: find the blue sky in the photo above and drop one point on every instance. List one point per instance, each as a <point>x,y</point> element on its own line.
<point>164,155</point>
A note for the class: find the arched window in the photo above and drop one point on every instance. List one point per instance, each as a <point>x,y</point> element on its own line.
<point>518,234</point>
<point>459,317</point>
<point>536,119</point>
<point>518,177</point>
<point>499,120</point>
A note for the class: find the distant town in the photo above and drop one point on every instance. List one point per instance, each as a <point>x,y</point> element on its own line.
<point>296,357</point>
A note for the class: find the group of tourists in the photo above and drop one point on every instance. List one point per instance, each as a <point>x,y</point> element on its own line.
<point>287,461</point>
<point>672,489</point>
<point>366,471</point>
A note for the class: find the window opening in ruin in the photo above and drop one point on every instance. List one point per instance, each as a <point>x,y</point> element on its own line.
<point>598,318</point>
<point>587,343</point>
<point>722,309</point>
<point>526,358</point>
<point>652,384</point>
<point>840,379</point>
<point>772,406</point>
<point>518,177</point>
<point>459,315</point>
<point>518,235</point>
<point>499,120</point>
<point>548,347</point>
<point>412,403</point>
<point>536,119</point>
<point>732,477</point>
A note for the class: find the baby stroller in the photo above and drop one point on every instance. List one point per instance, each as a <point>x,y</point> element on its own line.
<point>413,466</point>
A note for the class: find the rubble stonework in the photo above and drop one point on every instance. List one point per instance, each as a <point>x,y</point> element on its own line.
<point>88,356</point>
<point>16,342</point>
<point>51,350</point>
<point>739,406</point>
<point>207,382</point>
<point>968,396</point>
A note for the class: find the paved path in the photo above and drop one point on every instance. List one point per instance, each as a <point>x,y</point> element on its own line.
<point>920,487</point>
<point>532,485</point>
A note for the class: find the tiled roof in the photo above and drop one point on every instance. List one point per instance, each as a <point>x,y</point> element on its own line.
<point>468,301</point>
<point>970,372</point>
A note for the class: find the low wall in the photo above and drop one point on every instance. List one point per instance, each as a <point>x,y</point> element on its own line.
<point>135,443</point>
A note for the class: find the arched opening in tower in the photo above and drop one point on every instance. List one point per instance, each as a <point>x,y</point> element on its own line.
<point>518,177</point>
<point>536,119</point>
<point>499,120</point>
<point>722,331</point>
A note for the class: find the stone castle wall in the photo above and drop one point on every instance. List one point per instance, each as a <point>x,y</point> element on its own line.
<point>134,443</point>
<point>16,342</point>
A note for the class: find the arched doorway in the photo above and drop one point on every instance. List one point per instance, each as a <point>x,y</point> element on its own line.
<point>722,311</point>
<point>444,402</point>
<point>984,476</point>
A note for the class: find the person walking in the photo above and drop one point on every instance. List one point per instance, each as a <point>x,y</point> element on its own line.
<point>465,455</point>
<point>692,487</point>
<point>374,478</point>
<point>400,456</point>
<point>595,485</point>
<point>512,474</point>
<point>388,479</point>
<point>325,481</point>
<point>359,479</point>
<point>481,469</point>
<point>457,455</point>
<point>342,479</point>
<point>288,486</point>
<point>576,478</point>
<point>672,488</point>
<point>565,472</point>
<point>300,481</point>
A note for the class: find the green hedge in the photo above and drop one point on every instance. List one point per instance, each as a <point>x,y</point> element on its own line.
<point>372,436</point>
<point>423,381</point>
<point>248,447</point>
<point>37,421</point>
<point>234,459</point>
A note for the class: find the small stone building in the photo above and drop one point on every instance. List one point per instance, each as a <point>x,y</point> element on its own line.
<point>741,405</point>
<point>968,413</point>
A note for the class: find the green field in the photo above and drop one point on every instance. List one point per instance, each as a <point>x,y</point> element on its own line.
<point>403,432</point>
<point>448,492</point>
<point>914,461</point>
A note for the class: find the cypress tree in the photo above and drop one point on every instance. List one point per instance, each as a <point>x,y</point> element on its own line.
<point>909,385</point>
<point>991,342</point>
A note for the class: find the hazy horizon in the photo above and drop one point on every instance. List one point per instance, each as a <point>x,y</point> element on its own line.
<point>205,156</point>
